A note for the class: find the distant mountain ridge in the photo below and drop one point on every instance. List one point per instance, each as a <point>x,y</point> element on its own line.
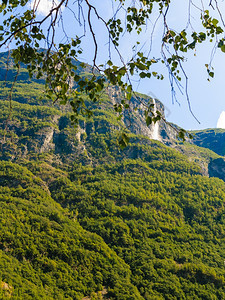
<point>214,139</point>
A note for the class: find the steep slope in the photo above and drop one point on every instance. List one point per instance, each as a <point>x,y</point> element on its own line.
<point>80,218</point>
<point>213,139</point>
<point>35,128</point>
<point>167,227</point>
<point>27,91</point>
<point>45,253</point>
<point>162,218</point>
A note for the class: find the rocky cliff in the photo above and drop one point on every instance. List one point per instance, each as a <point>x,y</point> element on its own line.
<point>36,128</point>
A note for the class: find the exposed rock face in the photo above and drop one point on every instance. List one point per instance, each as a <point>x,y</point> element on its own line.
<point>48,131</point>
<point>58,138</point>
<point>42,130</point>
<point>134,119</point>
<point>7,289</point>
<point>46,140</point>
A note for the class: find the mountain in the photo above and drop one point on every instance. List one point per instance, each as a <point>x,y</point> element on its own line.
<point>82,219</point>
<point>213,139</point>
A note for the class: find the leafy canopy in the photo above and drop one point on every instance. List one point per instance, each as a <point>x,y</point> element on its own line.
<point>26,30</point>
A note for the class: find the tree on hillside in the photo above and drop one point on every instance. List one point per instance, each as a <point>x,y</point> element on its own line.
<point>27,26</point>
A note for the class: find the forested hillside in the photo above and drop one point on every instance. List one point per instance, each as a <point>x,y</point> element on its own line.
<point>82,219</point>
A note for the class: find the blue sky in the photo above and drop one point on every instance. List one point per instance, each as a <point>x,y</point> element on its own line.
<point>207,98</point>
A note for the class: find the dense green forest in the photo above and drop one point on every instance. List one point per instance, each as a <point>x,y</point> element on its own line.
<point>82,219</point>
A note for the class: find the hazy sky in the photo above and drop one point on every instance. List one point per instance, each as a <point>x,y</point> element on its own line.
<point>207,98</point>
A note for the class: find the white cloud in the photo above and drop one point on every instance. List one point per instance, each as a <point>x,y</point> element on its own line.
<point>43,7</point>
<point>221,120</point>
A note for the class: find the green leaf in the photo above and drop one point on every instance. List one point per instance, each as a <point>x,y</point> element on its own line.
<point>211,74</point>
<point>215,22</point>
<point>142,74</point>
<point>109,62</point>
<point>148,120</point>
